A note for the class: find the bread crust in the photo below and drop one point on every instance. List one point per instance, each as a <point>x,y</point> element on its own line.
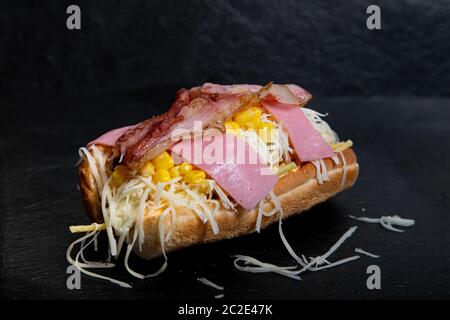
<point>297,191</point>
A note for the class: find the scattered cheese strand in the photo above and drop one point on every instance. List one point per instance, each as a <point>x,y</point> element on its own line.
<point>344,170</point>
<point>359,250</point>
<point>286,168</point>
<point>262,267</point>
<point>319,175</point>
<point>341,146</point>
<point>315,264</point>
<point>87,228</point>
<point>206,282</point>
<point>83,266</point>
<point>388,221</point>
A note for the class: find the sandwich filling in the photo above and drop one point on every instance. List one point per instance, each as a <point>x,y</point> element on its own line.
<point>146,171</point>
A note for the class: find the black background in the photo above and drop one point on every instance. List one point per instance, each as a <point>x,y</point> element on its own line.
<point>137,44</point>
<point>387,90</point>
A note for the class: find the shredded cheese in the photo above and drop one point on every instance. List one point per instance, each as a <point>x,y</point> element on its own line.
<point>359,250</point>
<point>253,265</point>
<point>210,283</point>
<point>388,222</point>
<point>87,228</point>
<point>341,146</point>
<point>83,266</point>
<point>321,125</point>
<point>344,171</point>
<point>321,171</point>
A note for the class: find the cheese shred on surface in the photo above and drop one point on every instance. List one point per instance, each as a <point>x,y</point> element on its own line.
<point>388,222</point>
<point>210,283</point>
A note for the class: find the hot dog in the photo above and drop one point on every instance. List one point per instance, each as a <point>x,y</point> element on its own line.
<point>142,186</point>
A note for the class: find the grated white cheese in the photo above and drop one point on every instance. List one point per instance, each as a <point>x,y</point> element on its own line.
<point>335,159</point>
<point>359,250</point>
<point>320,176</point>
<point>315,263</point>
<point>321,125</point>
<point>324,170</point>
<point>388,222</point>
<point>344,170</point>
<point>210,283</point>
<point>253,265</point>
<point>85,265</point>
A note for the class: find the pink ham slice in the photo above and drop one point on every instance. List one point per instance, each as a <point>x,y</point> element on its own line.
<point>110,138</point>
<point>307,141</point>
<point>232,163</point>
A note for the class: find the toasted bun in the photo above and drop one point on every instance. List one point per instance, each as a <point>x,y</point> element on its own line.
<point>297,191</point>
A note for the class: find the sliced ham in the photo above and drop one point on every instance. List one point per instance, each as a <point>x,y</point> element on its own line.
<point>232,163</point>
<point>307,141</point>
<point>110,138</point>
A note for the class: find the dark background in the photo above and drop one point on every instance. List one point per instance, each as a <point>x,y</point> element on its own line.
<point>387,90</point>
<point>136,45</point>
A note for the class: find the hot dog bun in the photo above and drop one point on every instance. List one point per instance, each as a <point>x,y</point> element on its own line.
<point>297,191</point>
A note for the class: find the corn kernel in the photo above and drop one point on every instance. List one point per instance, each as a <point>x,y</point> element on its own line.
<point>147,170</point>
<point>253,124</point>
<point>185,168</point>
<point>263,125</point>
<point>175,172</point>
<point>247,115</point>
<point>204,187</point>
<point>119,175</point>
<point>163,161</point>
<point>231,125</point>
<point>161,175</point>
<point>195,176</point>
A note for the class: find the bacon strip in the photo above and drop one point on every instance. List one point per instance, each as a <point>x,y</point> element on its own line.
<point>110,138</point>
<point>155,135</point>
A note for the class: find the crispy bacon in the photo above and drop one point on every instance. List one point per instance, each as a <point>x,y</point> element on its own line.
<point>153,136</point>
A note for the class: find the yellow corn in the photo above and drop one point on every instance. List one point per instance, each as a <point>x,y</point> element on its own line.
<point>185,168</point>
<point>253,124</point>
<point>163,161</point>
<point>161,175</point>
<point>204,187</point>
<point>147,170</point>
<point>247,115</point>
<point>119,175</point>
<point>232,127</point>
<point>195,176</point>
<point>175,172</point>
<point>263,125</point>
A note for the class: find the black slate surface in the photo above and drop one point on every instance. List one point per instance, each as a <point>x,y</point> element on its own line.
<point>402,145</point>
<point>139,44</point>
